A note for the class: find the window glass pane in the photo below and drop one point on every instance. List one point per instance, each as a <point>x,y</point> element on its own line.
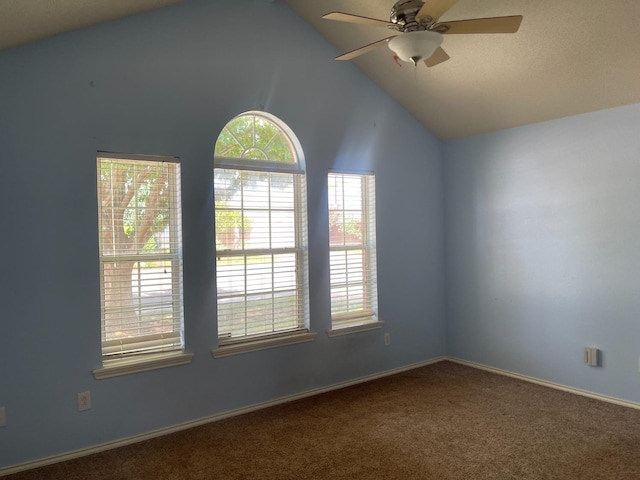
<point>338,267</point>
<point>351,228</point>
<point>339,300</point>
<point>226,185</point>
<point>280,150</point>
<point>141,279</point>
<point>255,154</point>
<point>284,273</point>
<point>138,299</point>
<point>265,132</point>
<point>255,137</point>
<point>352,194</point>
<point>285,312</point>
<point>229,227</point>
<point>260,233</point>
<point>134,207</point>
<point>257,294</point>
<point>256,210</point>
<point>242,129</point>
<point>228,146</point>
<point>283,233</point>
<point>259,277</point>
<point>352,249</point>
<point>255,191</point>
<point>355,266</point>
<point>345,210</point>
<point>282,192</point>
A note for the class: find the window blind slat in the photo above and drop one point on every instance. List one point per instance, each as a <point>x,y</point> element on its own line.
<point>143,344</point>
<point>260,255</point>
<point>140,263</point>
<point>352,249</point>
<point>260,227</point>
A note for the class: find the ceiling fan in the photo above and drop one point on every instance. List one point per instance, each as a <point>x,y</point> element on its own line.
<point>421,34</point>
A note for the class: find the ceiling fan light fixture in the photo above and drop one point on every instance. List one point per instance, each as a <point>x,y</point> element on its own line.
<point>415,46</point>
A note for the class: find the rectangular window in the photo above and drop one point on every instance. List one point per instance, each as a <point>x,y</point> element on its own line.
<point>352,249</point>
<point>261,267</point>
<point>140,256</point>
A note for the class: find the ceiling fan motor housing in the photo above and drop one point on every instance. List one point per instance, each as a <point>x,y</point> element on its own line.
<point>403,14</point>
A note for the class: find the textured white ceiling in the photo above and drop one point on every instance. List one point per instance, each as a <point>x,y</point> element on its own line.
<point>569,56</point>
<point>24,21</point>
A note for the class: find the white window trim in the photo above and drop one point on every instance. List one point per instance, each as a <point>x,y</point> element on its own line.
<point>153,361</point>
<point>362,327</point>
<point>262,343</point>
<point>302,334</point>
<point>112,364</point>
<point>257,165</point>
<point>361,320</point>
<point>301,253</point>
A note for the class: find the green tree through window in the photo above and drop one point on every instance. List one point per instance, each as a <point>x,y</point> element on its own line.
<point>139,227</point>
<point>256,138</point>
<point>253,137</point>
<point>260,227</point>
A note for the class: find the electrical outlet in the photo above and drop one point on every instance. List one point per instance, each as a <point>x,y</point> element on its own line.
<point>387,339</point>
<point>591,356</point>
<point>3,417</point>
<point>84,401</point>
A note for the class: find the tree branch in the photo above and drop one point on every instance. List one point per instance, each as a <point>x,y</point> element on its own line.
<point>153,203</point>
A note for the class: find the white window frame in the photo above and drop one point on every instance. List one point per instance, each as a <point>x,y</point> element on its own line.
<point>231,345</point>
<point>366,318</point>
<point>146,351</point>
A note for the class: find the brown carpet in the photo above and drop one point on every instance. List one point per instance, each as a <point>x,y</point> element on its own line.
<point>443,421</point>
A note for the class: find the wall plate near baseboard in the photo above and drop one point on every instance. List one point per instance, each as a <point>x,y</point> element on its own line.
<point>545,383</point>
<point>592,356</point>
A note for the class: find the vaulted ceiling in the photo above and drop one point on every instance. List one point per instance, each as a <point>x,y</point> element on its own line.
<point>569,56</point>
<point>25,21</point>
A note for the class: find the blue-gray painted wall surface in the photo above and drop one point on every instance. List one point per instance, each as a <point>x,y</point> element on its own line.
<point>542,241</point>
<point>166,82</point>
<point>528,236</point>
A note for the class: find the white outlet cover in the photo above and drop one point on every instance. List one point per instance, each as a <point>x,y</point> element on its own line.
<point>84,401</point>
<point>3,417</point>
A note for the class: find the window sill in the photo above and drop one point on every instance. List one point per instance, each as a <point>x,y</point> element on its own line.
<point>262,344</point>
<point>114,368</point>
<point>361,327</point>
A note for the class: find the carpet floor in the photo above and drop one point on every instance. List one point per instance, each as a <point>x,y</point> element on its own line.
<point>443,421</point>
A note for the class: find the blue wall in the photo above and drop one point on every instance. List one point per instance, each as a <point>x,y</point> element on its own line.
<point>542,236</point>
<point>530,237</point>
<point>166,82</point>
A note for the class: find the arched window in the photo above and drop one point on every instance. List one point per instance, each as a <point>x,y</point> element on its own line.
<point>257,136</point>
<point>261,234</point>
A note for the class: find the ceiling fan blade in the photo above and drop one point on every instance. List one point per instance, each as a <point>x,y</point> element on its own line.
<point>362,50</point>
<point>480,25</point>
<point>438,57</point>
<point>432,10</point>
<point>347,17</point>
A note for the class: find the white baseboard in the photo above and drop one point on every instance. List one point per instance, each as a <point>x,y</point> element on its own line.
<point>545,383</point>
<point>202,421</point>
<point>259,406</point>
